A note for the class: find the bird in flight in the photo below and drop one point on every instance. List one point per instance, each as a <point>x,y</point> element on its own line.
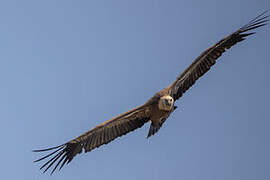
<point>156,110</point>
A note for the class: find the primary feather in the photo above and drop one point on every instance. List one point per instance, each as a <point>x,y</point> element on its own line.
<point>208,58</point>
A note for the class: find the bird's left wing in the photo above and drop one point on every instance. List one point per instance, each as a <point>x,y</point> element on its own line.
<point>208,58</point>
<point>101,134</point>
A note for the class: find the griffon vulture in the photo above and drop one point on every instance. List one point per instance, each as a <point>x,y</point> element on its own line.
<point>156,110</point>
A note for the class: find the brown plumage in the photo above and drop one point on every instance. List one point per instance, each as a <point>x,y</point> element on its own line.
<point>157,109</point>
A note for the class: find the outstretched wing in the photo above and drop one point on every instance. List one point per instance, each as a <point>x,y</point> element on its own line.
<point>101,134</point>
<point>208,58</point>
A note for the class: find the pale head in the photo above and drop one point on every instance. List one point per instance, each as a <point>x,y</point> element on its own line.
<point>166,103</point>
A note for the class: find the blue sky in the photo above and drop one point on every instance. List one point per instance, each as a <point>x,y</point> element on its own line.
<point>67,66</point>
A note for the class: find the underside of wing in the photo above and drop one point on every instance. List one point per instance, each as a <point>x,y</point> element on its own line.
<point>101,134</point>
<point>208,58</point>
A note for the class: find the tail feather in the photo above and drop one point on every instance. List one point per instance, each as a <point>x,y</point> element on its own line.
<point>153,129</point>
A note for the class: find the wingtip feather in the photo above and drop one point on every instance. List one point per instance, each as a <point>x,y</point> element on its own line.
<point>48,149</point>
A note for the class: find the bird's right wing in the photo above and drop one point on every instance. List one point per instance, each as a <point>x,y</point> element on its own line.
<point>101,134</point>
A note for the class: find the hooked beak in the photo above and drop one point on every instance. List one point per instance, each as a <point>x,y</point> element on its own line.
<point>167,102</point>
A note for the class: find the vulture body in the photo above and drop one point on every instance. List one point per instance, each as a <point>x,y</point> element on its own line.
<point>157,109</point>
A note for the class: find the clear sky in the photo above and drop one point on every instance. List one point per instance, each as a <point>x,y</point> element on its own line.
<point>66,66</point>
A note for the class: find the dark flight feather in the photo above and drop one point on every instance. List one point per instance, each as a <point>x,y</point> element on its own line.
<point>101,134</point>
<point>208,58</point>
